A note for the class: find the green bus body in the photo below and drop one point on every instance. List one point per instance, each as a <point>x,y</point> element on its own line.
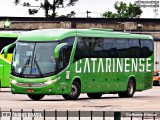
<point>95,74</point>
<point>6,38</point>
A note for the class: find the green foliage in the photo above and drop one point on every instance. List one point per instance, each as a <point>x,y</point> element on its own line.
<point>124,11</point>
<point>70,15</point>
<point>109,14</point>
<point>47,6</point>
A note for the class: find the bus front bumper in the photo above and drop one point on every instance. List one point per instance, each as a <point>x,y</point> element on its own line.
<point>45,90</point>
<point>41,86</point>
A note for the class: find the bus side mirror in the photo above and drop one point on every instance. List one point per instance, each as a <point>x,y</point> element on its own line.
<point>7,48</point>
<point>57,49</point>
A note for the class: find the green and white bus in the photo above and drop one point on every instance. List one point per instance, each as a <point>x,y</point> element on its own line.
<point>6,38</point>
<point>68,62</point>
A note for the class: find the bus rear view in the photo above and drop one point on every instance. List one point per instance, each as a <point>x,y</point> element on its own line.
<point>68,62</point>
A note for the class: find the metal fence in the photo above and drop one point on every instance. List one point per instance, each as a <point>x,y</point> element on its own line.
<point>67,115</point>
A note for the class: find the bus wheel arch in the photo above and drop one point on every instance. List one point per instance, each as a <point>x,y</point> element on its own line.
<point>77,80</point>
<point>131,88</point>
<point>134,80</point>
<point>75,90</point>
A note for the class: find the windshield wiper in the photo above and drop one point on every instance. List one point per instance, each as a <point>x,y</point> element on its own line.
<point>39,70</point>
<point>25,65</point>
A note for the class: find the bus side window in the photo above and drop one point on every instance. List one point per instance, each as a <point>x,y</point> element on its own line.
<point>64,56</point>
<point>67,53</point>
<point>61,60</point>
<point>96,48</point>
<point>146,48</point>
<point>122,48</point>
<point>109,48</point>
<point>82,49</point>
<point>134,48</point>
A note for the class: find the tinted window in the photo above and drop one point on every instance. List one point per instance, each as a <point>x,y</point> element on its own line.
<point>156,74</point>
<point>96,47</point>
<point>4,41</point>
<point>65,52</point>
<point>82,49</point>
<point>146,48</point>
<point>113,48</point>
<point>122,48</point>
<point>134,48</point>
<point>109,48</point>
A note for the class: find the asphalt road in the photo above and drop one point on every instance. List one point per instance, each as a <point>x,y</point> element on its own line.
<point>142,101</point>
<point>148,100</point>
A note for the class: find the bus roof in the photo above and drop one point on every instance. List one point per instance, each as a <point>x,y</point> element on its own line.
<point>58,34</point>
<point>9,34</point>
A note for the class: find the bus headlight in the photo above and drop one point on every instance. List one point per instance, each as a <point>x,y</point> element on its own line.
<point>49,82</point>
<point>14,82</point>
<point>52,81</point>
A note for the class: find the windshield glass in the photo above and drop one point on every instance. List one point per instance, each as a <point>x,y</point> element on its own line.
<point>34,58</point>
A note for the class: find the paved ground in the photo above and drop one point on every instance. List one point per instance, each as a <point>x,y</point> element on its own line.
<point>145,100</point>
<point>148,100</point>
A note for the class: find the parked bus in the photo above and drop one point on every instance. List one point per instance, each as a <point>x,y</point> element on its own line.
<point>68,62</point>
<point>6,38</point>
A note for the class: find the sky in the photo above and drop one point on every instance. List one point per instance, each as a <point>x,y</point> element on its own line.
<point>96,7</point>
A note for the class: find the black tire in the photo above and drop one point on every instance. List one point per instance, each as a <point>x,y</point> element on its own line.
<point>94,95</point>
<point>76,90</point>
<point>130,90</point>
<point>35,97</point>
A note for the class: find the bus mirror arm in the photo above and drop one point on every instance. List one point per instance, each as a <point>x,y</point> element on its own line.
<point>7,48</point>
<point>57,50</point>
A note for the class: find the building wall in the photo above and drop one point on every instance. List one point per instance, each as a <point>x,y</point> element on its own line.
<point>140,25</point>
<point>157,55</point>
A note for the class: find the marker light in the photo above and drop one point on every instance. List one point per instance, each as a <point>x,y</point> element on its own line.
<point>13,81</point>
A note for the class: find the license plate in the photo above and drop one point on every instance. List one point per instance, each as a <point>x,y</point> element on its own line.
<point>31,91</point>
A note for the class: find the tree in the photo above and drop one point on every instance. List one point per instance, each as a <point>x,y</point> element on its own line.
<point>72,14</point>
<point>46,5</point>
<point>124,11</point>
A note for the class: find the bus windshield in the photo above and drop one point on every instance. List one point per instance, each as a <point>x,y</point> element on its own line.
<point>34,59</point>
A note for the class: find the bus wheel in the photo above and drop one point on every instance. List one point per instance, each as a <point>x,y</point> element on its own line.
<point>36,97</point>
<point>130,90</point>
<point>94,95</point>
<point>75,92</point>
